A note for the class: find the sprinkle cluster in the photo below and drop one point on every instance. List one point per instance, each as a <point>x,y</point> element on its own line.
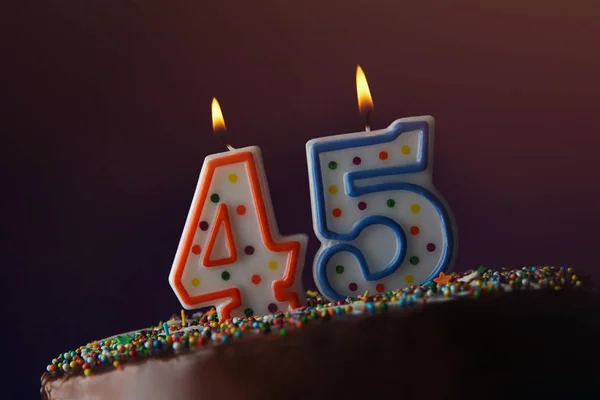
<point>179,336</point>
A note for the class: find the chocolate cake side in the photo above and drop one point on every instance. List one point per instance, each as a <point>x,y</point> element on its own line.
<point>500,347</point>
<point>481,334</point>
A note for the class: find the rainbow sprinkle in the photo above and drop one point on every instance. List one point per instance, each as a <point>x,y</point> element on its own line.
<point>200,330</point>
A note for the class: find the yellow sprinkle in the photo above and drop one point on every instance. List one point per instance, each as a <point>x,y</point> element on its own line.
<point>333,189</point>
<point>366,294</point>
<point>232,178</point>
<point>195,282</point>
<point>405,149</point>
<point>312,293</point>
<point>87,372</point>
<point>574,277</point>
<point>415,208</point>
<point>183,317</point>
<point>115,363</point>
<point>578,283</point>
<point>273,265</point>
<point>409,278</point>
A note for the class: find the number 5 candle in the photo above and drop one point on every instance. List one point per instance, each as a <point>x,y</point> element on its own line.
<point>381,222</point>
<point>231,254</point>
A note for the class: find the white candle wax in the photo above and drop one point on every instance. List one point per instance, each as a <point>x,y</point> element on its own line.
<point>381,223</point>
<point>231,254</point>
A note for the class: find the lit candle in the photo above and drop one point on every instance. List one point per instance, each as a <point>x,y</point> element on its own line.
<point>231,255</point>
<point>381,223</point>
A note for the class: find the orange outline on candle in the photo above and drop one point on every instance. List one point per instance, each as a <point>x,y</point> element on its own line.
<point>222,217</point>
<point>293,247</point>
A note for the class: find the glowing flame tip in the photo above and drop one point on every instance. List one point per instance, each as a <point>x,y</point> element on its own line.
<point>365,101</point>
<point>218,121</point>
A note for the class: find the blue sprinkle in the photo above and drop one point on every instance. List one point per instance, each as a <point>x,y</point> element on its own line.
<point>402,302</point>
<point>226,338</point>
<point>238,334</point>
<point>370,307</point>
<point>157,344</point>
<point>166,328</point>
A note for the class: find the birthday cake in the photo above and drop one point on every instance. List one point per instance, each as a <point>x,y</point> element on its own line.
<point>389,319</point>
<point>528,316</point>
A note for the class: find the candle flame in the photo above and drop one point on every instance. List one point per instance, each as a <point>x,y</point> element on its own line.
<point>365,102</point>
<point>218,121</point>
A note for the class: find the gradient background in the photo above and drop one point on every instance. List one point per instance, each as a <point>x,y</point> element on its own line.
<point>106,115</point>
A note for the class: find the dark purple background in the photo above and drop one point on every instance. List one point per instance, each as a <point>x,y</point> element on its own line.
<point>107,116</point>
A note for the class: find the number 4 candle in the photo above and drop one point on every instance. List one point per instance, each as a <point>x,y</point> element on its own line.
<point>231,254</point>
<point>381,222</point>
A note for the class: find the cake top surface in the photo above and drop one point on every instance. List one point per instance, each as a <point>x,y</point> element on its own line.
<point>182,335</point>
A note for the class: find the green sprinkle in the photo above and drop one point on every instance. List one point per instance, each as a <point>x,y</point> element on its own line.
<point>124,339</point>
<point>282,332</point>
<point>433,287</point>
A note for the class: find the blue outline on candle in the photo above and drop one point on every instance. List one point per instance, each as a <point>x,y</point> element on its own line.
<point>353,191</point>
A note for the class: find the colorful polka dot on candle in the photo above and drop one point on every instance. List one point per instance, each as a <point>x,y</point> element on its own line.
<point>356,161</point>
<point>333,189</point>
<point>390,203</point>
<point>332,165</point>
<point>405,149</point>
<point>195,282</point>
<point>256,279</point>
<point>383,155</point>
<point>215,198</point>
<point>249,250</point>
<point>337,212</point>
<point>380,287</point>
<point>353,287</point>
<point>240,210</point>
<point>196,249</point>
<point>362,205</point>
<point>339,269</point>
<point>232,178</point>
<point>272,265</point>
<point>272,307</point>
<point>225,275</point>
<point>414,230</point>
<point>430,247</point>
<point>415,208</point>
<point>248,312</point>
<point>414,260</point>
<point>409,279</point>
<point>203,225</point>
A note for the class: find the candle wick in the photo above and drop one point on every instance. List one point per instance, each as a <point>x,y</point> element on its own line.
<point>230,147</point>
<point>368,121</point>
